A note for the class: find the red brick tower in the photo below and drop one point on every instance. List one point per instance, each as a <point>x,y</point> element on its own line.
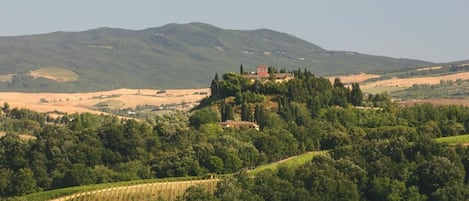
<point>262,71</point>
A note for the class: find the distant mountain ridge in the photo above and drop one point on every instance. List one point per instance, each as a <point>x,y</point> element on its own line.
<point>170,56</point>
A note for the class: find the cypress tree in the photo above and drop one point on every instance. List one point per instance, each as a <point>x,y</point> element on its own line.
<point>356,95</point>
<point>215,87</point>
<point>246,113</point>
<point>229,114</point>
<point>259,114</point>
<point>338,83</point>
<point>222,111</point>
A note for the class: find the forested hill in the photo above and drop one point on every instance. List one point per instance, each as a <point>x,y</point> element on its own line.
<point>171,56</point>
<point>377,150</point>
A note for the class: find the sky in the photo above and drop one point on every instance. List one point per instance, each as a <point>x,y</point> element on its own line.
<point>431,30</point>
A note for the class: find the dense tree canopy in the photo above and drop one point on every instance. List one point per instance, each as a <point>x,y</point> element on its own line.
<point>377,152</point>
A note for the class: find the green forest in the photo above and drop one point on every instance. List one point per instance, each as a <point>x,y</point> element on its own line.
<point>169,56</point>
<point>377,150</point>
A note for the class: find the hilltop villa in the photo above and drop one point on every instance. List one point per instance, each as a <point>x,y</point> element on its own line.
<point>239,124</point>
<point>263,74</point>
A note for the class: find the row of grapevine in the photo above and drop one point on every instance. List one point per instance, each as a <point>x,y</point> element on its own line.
<point>167,191</point>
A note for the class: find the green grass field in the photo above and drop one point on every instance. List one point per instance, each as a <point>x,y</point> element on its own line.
<point>459,139</point>
<point>6,78</point>
<point>294,161</point>
<point>128,59</point>
<point>378,90</point>
<point>57,74</point>
<point>110,104</point>
<point>446,89</point>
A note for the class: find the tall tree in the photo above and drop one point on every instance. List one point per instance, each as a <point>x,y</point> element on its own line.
<point>340,96</point>
<point>203,116</point>
<point>5,181</point>
<point>232,83</point>
<point>271,70</point>
<point>229,113</point>
<point>215,87</point>
<point>338,83</point>
<point>259,114</point>
<point>246,113</point>
<point>241,69</point>
<point>197,193</point>
<point>222,110</point>
<point>23,182</point>
<point>439,172</point>
<point>356,95</point>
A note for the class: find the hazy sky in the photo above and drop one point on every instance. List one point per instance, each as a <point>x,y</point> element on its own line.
<point>432,30</point>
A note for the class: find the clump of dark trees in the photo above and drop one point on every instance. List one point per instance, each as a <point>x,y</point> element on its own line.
<point>378,152</point>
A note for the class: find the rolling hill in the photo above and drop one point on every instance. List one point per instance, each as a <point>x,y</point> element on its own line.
<point>170,56</point>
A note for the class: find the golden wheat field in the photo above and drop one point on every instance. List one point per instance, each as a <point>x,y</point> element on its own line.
<point>353,78</point>
<point>130,98</point>
<point>86,102</point>
<point>408,82</point>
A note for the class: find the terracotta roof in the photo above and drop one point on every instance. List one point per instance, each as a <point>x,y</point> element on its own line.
<point>239,124</point>
<point>232,122</point>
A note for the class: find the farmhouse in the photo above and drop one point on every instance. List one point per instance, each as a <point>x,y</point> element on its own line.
<point>263,74</point>
<point>239,124</point>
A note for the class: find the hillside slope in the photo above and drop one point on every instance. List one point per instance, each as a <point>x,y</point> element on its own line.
<point>171,56</point>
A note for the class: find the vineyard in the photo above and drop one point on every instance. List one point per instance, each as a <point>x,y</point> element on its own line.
<point>155,189</point>
<point>141,192</point>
